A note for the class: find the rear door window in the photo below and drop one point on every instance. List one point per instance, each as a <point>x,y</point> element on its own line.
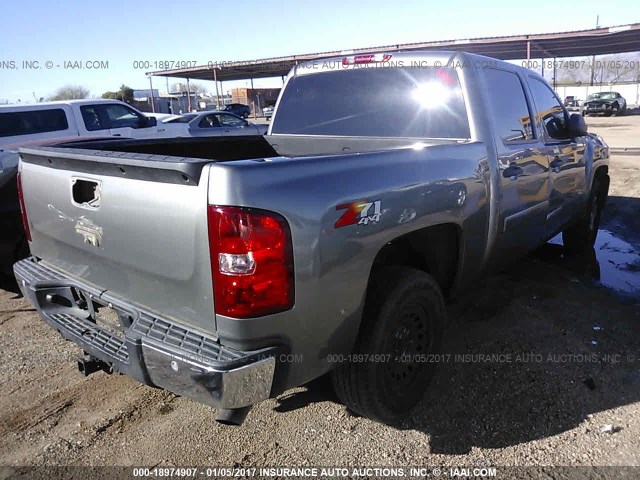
<point>32,122</point>
<point>91,118</point>
<point>375,102</point>
<point>509,104</point>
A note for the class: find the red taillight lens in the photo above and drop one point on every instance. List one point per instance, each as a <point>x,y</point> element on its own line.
<point>251,262</point>
<point>23,210</point>
<point>361,59</point>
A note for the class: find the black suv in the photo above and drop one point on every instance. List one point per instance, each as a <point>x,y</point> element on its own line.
<point>239,109</point>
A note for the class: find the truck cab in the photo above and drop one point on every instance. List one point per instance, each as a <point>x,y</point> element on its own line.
<point>84,118</point>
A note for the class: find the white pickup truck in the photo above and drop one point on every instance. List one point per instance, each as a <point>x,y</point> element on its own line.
<point>70,118</point>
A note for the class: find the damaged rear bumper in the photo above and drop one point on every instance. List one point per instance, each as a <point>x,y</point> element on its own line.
<point>155,351</point>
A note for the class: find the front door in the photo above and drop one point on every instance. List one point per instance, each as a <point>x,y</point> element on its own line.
<point>565,155</point>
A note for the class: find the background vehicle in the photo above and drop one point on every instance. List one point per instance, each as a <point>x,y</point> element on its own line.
<point>238,109</point>
<point>211,123</point>
<point>267,112</point>
<point>606,103</point>
<point>13,243</point>
<point>84,118</point>
<point>160,117</point>
<point>572,103</point>
<point>182,118</point>
<point>241,267</point>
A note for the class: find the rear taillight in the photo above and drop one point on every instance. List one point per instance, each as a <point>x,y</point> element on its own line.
<point>23,210</point>
<point>251,262</point>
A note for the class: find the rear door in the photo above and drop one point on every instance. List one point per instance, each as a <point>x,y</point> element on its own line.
<point>523,165</point>
<point>565,156</point>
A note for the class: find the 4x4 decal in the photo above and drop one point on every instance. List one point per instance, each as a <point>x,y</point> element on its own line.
<point>361,213</point>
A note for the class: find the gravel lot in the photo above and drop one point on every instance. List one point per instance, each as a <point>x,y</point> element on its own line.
<point>565,389</point>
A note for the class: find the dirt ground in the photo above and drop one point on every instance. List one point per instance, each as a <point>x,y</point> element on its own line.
<point>562,388</point>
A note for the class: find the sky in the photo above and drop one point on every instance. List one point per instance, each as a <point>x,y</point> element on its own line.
<point>117,35</point>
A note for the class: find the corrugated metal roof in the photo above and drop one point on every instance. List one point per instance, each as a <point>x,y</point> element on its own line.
<point>599,41</point>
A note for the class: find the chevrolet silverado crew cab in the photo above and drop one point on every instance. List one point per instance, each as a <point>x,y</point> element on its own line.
<point>231,269</point>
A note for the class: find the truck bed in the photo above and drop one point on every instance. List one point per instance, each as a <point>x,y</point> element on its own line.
<point>225,149</point>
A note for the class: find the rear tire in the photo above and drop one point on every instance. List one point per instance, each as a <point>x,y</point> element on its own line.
<point>403,323</point>
<point>581,235</point>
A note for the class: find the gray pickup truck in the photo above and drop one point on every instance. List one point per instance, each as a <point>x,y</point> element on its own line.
<point>229,270</point>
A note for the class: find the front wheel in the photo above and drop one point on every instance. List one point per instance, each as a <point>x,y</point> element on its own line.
<point>392,362</point>
<point>615,109</point>
<point>581,235</point>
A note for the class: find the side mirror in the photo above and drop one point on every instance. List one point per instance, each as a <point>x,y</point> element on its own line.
<point>577,125</point>
<point>149,122</point>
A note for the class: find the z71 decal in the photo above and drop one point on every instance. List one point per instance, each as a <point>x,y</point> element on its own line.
<point>361,213</point>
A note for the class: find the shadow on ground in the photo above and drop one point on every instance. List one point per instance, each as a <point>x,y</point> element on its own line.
<point>529,353</point>
<point>8,283</point>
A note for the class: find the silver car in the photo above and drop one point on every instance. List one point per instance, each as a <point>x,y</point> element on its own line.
<point>210,123</point>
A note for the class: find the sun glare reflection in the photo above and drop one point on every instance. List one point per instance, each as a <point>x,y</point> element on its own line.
<point>431,94</point>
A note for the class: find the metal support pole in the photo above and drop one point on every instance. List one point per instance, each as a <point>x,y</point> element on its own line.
<point>188,97</point>
<point>153,106</point>
<point>554,73</point>
<point>215,79</point>
<point>254,103</point>
<point>528,50</point>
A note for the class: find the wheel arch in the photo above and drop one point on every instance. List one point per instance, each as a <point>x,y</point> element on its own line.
<point>436,250</point>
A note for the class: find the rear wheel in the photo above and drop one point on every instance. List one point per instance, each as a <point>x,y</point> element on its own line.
<point>581,235</point>
<point>390,367</point>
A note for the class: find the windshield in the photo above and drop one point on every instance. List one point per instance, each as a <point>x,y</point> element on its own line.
<point>602,96</point>
<point>375,102</point>
<point>182,119</point>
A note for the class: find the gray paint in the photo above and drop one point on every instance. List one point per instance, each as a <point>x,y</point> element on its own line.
<point>155,250</point>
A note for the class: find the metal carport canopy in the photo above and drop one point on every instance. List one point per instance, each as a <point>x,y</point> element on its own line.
<point>599,41</point>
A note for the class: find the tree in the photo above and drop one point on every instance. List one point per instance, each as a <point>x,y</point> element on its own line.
<point>194,88</point>
<point>70,92</point>
<point>125,94</point>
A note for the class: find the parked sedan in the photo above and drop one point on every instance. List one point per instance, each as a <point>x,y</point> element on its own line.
<point>211,123</point>
<point>607,103</point>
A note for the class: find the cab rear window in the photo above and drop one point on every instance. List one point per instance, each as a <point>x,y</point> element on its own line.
<point>33,121</point>
<point>375,102</point>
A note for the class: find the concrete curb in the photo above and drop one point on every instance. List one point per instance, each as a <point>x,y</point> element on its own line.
<point>624,150</point>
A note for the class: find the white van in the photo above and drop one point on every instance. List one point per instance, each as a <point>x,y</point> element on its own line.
<point>70,118</point>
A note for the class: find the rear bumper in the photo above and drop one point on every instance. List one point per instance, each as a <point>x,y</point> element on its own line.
<point>155,351</point>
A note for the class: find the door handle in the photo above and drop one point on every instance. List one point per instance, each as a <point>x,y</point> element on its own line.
<point>117,134</point>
